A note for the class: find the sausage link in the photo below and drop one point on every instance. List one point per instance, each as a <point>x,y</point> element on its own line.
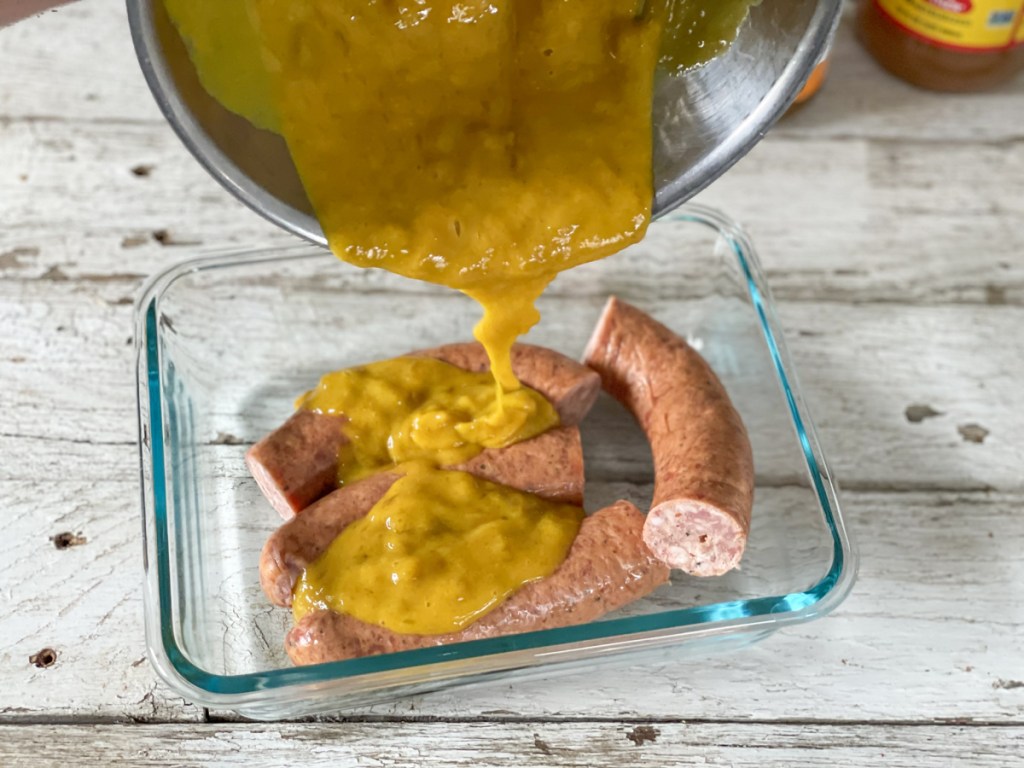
<point>608,566</point>
<point>549,465</point>
<point>298,463</point>
<point>703,462</point>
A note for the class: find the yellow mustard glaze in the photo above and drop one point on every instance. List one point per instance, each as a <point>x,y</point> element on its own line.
<point>223,45</point>
<point>440,550</point>
<point>412,409</point>
<point>485,145</point>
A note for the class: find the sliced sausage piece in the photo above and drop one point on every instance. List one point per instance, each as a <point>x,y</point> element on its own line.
<point>298,463</point>
<point>608,566</point>
<point>703,463</point>
<point>549,465</point>
<point>571,387</point>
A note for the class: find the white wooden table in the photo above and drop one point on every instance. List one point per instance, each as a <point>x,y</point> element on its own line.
<point>902,292</point>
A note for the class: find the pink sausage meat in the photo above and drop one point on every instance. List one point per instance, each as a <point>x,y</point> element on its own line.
<point>703,463</point>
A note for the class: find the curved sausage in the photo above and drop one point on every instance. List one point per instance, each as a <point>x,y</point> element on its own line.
<point>608,566</point>
<point>549,465</point>
<point>703,463</point>
<point>298,463</point>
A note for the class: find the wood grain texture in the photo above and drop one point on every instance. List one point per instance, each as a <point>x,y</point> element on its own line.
<point>951,657</point>
<point>936,356</point>
<point>594,745</point>
<point>935,615</point>
<point>80,600</point>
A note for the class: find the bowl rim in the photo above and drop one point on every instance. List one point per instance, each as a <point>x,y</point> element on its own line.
<point>753,616</point>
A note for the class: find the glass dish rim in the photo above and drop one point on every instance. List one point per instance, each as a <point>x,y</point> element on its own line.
<point>766,613</point>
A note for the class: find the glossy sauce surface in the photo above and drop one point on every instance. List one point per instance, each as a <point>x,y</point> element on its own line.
<point>439,551</point>
<point>412,409</point>
<point>485,145</point>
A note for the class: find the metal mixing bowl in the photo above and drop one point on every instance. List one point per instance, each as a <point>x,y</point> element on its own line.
<point>704,120</point>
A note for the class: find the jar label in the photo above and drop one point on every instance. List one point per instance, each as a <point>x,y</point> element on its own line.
<point>965,25</point>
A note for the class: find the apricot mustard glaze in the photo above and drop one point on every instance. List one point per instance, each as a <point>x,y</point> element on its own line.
<point>412,409</point>
<point>439,551</point>
<point>485,145</point>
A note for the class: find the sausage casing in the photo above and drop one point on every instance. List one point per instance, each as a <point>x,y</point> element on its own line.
<point>703,462</point>
<point>608,566</point>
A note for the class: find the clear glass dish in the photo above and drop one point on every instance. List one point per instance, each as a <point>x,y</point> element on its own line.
<point>226,342</point>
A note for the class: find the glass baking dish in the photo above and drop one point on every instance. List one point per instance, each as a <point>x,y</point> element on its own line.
<point>226,342</point>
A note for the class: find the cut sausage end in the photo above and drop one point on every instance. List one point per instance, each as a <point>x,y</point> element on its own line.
<point>270,487</point>
<point>297,463</point>
<point>694,537</point>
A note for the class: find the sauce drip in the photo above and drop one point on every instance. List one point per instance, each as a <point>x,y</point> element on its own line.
<point>412,409</point>
<point>485,145</point>
<point>440,550</point>
<point>481,144</point>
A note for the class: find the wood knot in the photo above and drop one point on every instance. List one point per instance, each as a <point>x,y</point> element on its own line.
<point>45,658</point>
<point>67,540</point>
<point>541,745</point>
<point>642,734</point>
<point>917,413</point>
<point>972,433</point>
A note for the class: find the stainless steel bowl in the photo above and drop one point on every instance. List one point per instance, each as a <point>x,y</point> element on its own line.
<point>705,120</point>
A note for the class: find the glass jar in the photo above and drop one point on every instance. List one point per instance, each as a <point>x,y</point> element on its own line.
<point>946,45</point>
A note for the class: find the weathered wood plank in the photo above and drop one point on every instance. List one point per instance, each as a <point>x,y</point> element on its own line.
<point>862,367</point>
<point>861,224</point>
<point>897,631</point>
<point>933,630</point>
<point>513,744</point>
<point>83,54</point>
<point>71,582</point>
<point>860,99</point>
